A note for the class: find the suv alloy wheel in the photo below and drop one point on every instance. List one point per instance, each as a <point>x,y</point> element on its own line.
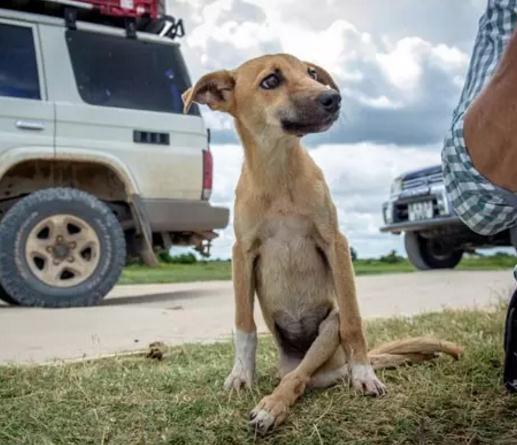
<point>60,247</point>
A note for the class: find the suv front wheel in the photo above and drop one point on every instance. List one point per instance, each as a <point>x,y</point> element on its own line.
<point>61,247</point>
<point>428,253</point>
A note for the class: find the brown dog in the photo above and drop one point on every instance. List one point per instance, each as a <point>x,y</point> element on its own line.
<point>288,250</point>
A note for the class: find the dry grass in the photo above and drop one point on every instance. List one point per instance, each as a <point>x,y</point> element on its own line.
<point>179,400</point>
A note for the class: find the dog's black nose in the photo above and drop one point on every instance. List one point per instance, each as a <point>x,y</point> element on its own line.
<point>330,100</point>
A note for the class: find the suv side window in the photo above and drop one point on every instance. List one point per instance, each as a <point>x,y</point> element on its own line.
<point>18,64</point>
<point>115,71</point>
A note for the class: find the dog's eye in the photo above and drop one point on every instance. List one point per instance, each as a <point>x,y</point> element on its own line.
<point>270,82</point>
<point>313,73</point>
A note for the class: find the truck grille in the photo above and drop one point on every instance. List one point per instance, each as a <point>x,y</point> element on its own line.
<point>422,181</point>
<point>401,211</point>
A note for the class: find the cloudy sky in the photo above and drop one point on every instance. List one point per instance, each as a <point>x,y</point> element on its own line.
<point>400,66</point>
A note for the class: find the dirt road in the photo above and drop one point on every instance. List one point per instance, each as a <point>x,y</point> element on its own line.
<point>133,316</point>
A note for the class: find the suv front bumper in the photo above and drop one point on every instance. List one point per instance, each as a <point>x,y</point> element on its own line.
<point>174,215</point>
<point>396,215</point>
<point>421,225</point>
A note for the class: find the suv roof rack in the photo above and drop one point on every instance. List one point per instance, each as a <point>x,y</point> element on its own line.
<point>133,15</point>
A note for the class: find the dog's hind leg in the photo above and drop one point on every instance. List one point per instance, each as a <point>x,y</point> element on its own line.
<point>287,363</point>
<point>272,410</point>
<point>334,371</point>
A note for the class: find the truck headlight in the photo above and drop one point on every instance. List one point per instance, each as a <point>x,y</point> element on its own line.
<point>396,187</point>
<point>387,212</point>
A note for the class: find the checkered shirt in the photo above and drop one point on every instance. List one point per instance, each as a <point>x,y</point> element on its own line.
<point>484,207</point>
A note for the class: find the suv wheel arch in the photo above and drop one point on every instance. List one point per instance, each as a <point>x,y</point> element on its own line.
<point>107,182</point>
<point>424,255</point>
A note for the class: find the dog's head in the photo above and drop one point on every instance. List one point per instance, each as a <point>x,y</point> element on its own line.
<point>277,92</point>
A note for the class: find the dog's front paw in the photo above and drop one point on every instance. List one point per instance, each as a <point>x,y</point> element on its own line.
<point>365,381</point>
<point>239,377</point>
<point>269,413</point>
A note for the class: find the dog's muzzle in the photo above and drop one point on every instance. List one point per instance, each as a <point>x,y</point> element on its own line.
<point>313,115</point>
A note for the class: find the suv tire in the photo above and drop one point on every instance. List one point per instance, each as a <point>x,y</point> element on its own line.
<point>61,247</point>
<point>4,296</point>
<point>424,254</point>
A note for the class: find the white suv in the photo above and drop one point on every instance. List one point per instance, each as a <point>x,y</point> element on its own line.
<point>97,161</point>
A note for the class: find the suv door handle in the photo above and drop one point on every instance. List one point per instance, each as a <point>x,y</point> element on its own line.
<point>30,125</point>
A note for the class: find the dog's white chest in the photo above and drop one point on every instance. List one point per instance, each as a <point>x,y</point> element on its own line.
<point>292,273</point>
<point>285,229</point>
<point>287,245</point>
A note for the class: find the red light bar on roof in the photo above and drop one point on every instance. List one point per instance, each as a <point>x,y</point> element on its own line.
<point>118,8</point>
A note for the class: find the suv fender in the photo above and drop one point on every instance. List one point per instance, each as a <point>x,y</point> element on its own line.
<point>14,156</point>
<point>20,155</point>
<point>103,158</point>
<point>17,155</point>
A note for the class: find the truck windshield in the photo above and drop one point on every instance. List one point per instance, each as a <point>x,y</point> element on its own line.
<point>119,72</point>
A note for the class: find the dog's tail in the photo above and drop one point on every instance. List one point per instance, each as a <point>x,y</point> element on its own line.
<point>411,350</point>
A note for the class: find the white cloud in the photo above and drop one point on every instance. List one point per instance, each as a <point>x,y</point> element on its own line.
<point>381,102</point>
<point>359,177</point>
<point>387,83</point>
<point>402,65</point>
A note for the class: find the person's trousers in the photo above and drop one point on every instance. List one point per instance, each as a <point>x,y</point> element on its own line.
<point>510,343</point>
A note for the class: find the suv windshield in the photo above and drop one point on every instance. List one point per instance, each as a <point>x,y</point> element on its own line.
<point>119,72</point>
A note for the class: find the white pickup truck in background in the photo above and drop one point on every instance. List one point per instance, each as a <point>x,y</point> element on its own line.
<point>434,236</point>
<point>97,161</point>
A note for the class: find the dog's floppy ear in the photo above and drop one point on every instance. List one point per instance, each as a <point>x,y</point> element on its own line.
<point>322,76</point>
<point>213,89</point>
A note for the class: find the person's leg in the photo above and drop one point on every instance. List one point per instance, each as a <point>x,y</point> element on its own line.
<point>513,240</point>
<point>510,343</point>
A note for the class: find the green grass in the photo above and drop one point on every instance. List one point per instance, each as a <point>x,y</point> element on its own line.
<point>134,400</point>
<point>176,273</point>
<point>488,263</point>
<point>221,270</point>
